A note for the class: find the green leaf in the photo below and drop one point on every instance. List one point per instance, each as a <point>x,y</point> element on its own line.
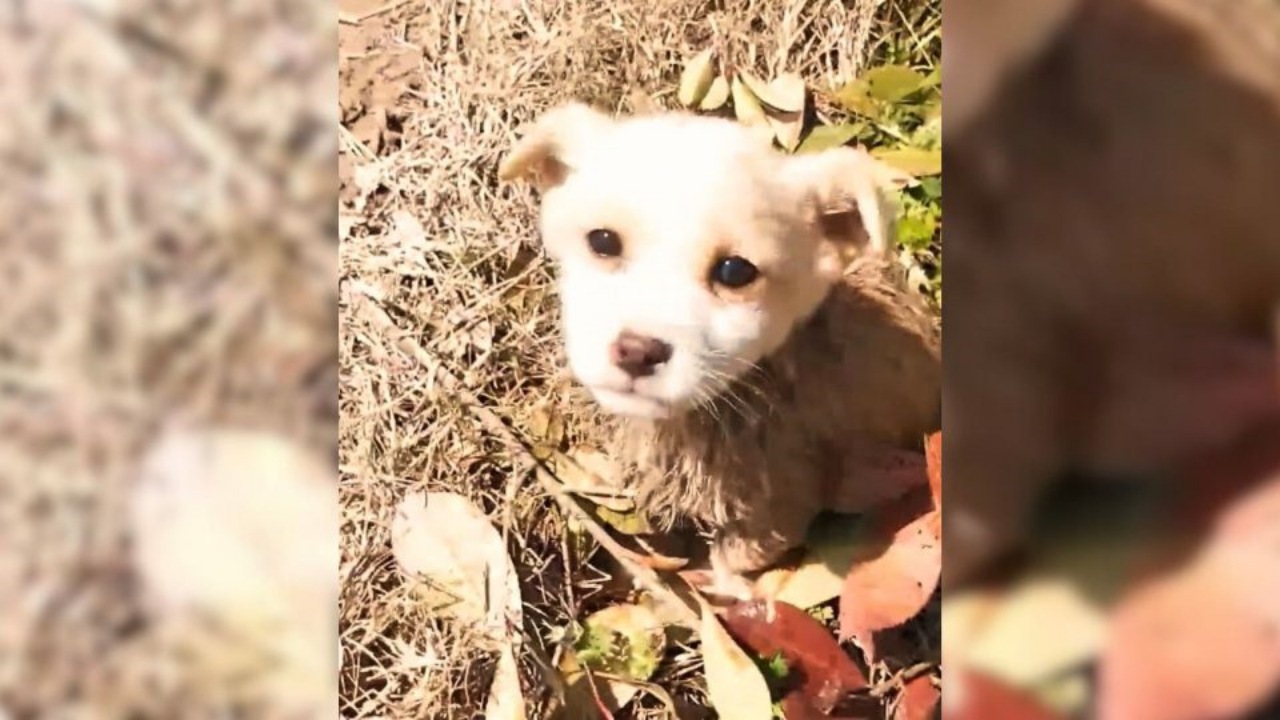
<point>913,161</point>
<point>696,79</point>
<point>931,187</point>
<point>855,97</point>
<point>916,232</point>
<point>825,137</point>
<point>891,83</point>
<point>627,523</point>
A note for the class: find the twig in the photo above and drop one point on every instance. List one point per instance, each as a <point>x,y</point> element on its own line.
<point>352,18</point>
<point>494,424</point>
<point>884,687</point>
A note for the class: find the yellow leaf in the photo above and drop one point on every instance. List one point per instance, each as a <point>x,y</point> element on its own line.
<point>825,137</point>
<point>635,657</point>
<point>547,428</point>
<point>892,83</point>
<point>785,92</point>
<point>591,474</point>
<point>445,539</point>
<point>735,686</point>
<point>631,522</point>
<point>833,545</point>
<point>696,79</point>
<point>913,161</point>
<point>1018,646</point>
<point>746,106</point>
<point>786,128</point>
<point>717,95</point>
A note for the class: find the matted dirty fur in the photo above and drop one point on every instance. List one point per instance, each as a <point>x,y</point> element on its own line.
<point>861,376</point>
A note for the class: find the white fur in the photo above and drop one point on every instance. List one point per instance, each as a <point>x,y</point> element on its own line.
<point>681,192</point>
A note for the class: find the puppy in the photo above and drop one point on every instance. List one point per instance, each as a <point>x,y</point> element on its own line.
<point>734,307</point>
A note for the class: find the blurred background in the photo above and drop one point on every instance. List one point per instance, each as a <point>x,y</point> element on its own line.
<point>168,355</point>
<point>169,348</point>
<point>1112,388</point>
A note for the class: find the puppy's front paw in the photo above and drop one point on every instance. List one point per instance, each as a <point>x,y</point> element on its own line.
<point>740,554</point>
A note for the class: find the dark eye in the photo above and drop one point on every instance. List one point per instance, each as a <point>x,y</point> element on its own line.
<point>734,272</point>
<point>604,243</point>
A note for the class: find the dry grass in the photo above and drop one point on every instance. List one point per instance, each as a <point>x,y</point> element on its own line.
<point>167,255</point>
<point>432,95</point>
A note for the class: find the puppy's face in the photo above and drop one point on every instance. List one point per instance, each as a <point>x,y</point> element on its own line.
<point>687,247</point>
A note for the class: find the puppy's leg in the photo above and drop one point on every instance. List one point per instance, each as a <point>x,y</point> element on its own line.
<point>754,544</point>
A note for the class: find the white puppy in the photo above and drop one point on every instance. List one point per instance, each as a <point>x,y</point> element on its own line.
<point>693,263</point>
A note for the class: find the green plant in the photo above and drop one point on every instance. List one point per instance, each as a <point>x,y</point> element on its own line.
<point>893,110</point>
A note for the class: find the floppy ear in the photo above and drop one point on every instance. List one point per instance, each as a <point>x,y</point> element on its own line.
<point>854,211</point>
<point>545,154</point>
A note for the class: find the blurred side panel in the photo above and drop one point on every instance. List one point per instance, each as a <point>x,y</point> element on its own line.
<point>168,355</point>
<point>1111,388</point>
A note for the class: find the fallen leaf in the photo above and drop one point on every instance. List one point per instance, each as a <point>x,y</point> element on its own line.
<point>881,475</point>
<point>746,106</point>
<point>914,161</point>
<point>546,427</point>
<point>1070,694</point>
<point>786,128</point>
<point>444,539</point>
<point>631,522</point>
<point>620,643</point>
<point>590,473</point>
<point>894,579</point>
<point>717,95</point>
<point>973,696</point>
<point>965,613</point>
<point>1202,641</point>
<point>657,560</point>
<point>736,688</point>
<point>891,83</point>
<point>890,176</point>
<point>1017,646</point>
<point>242,527</point>
<point>785,93</point>
<point>696,79</point>
<point>826,672</point>
<point>795,706</point>
<point>825,137</point>
<point>933,465</point>
<point>855,96</point>
<point>833,543</point>
<point>918,700</point>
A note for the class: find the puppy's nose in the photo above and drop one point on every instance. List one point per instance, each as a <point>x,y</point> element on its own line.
<point>638,355</point>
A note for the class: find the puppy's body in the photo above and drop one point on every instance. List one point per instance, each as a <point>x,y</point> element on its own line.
<point>734,307</point>
<point>854,385</point>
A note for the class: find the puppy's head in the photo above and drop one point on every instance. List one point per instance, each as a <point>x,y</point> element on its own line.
<point>688,248</point>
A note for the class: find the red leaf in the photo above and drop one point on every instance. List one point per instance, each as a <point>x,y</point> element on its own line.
<point>918,700</point>
<point>933,462</point>
<point>824,670</point>
<point>883,474</point>
<point>798,706</point>
<point>896,578</point>
<point>979,697</point>
<point>1204,641</point>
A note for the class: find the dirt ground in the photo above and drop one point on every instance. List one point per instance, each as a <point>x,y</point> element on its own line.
<point>431,96</point>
